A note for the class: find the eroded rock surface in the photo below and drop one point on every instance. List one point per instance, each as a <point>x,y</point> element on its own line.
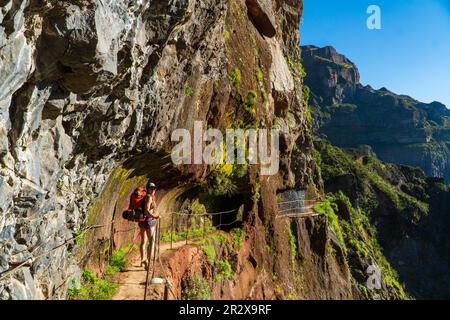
<point>86,84</point>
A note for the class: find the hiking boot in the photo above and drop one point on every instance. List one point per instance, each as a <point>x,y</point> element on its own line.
<point>144,263</point>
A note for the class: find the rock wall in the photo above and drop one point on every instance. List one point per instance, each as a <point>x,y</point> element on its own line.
<point>90,92</point>
<point>86,84</point>
<point>83,85</point>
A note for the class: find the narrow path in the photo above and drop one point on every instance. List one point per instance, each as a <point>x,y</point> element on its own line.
<point>132,280</point>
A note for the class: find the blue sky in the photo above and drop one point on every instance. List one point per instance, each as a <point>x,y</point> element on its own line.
<point>409,55</point>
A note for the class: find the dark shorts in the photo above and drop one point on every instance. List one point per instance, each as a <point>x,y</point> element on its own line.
<point>147,224</point>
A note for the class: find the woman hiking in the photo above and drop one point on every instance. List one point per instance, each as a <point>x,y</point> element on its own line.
<point>148,226</point>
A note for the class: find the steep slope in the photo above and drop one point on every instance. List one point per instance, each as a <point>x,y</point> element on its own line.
<point>398,128</point>
<point>408,212</point>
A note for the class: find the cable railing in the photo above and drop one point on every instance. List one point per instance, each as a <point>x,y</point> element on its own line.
<point>299,208</point>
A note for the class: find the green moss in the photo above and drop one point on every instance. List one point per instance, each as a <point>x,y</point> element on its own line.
<point>235,78</point>
<point>226,34</point>
<point>306,93</point>
<point>78,234</point>
<point>238,236</point>
<point>188,91</point>
<point>309,115</point>
<point>302,70</point>
<point>259,75</point>
<point>250,102</point>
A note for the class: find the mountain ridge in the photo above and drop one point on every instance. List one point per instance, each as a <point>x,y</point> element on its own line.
<point>397,127</point>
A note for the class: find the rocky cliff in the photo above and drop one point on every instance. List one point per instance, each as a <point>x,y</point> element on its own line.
<point>90,92</point>
<point>398,128</point>
<point>407,211</point>
<point>85,85</point>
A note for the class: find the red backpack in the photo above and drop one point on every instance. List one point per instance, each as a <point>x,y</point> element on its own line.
<point>137,199</point>
<point>136,208</point>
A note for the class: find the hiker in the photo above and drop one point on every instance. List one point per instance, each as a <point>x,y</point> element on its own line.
<point>143,204</point>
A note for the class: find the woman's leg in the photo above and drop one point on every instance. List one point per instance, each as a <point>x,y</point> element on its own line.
<point>150,235</point>
<point>143,234</point>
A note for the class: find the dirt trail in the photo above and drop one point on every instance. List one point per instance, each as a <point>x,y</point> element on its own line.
<point>132,280</point>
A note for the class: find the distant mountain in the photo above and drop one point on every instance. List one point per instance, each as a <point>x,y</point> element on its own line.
<point>397,128</point>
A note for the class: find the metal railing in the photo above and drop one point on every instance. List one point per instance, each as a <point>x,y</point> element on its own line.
<point>297,208</point>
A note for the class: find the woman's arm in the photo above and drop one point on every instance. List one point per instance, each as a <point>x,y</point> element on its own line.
<point>148,207</point>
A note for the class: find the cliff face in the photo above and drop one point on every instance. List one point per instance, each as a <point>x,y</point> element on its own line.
<point>398,128</point>
<point>90,92</point>
<point>407,211</point>
<point>85,85</point>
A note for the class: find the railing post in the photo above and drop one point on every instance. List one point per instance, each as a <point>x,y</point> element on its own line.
<point>204,226</point>
<point>171,232</point>
<point>187,228</point>
<point>220,220</point>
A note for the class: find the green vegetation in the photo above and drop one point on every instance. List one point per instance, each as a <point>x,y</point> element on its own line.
<point>188,91</point>
<point>235,78</point>
<point>346,106</point>
<point>224,270</point>
<point>259,75</point>
<point>226,34</point>
<point>193,233</point>
<point>238,237</point>
<point>332,63</point>
<point>306,93</point>
<point>357,238</point>
<point>196,288</point>
<point>224,178</point>
<point>329,208</point>
<point>209,245</point>
<point>94,288</point>
<point>358,234</point>
<point>301,70</point>
<point>78,233</point>
<point>256,193</point>
<point>309,115</point>
<point>212,244</point>
<point>118,260</point>
<point>334,162</point>
<point>250,101</point>
<point>292,243</point>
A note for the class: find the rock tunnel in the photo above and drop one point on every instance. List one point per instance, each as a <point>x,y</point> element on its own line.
<point>183,205</point>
